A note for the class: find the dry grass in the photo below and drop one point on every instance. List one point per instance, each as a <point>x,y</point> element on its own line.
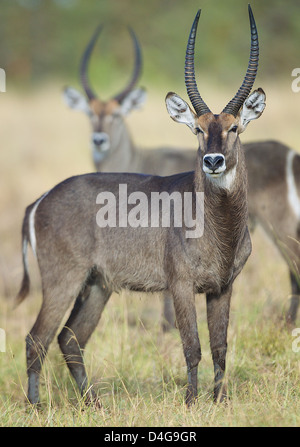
<point>139,372</point>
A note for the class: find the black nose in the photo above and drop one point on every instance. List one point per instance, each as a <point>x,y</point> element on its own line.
<point>213,162</point>
<point>98,141</point>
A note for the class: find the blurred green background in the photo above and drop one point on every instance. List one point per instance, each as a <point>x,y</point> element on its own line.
<point>42,40</point>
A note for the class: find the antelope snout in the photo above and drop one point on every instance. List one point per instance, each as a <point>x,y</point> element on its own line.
<point>100,146</point>
<point>214,163</point>
<point>100,140</point>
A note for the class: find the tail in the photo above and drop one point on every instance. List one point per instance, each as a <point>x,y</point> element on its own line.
<point>25,286</point>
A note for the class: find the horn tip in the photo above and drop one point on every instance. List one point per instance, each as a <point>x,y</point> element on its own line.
<point>198,14</point>
<point>250,12</point>
<point>196,20</point>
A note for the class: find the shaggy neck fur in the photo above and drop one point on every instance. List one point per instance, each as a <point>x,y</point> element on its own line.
<point>225,214</point>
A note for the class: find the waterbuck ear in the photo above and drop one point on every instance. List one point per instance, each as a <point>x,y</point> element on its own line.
<point>180,111</point>
<point>75,100</point>
<point>134,100</point>
<point>252,108</point>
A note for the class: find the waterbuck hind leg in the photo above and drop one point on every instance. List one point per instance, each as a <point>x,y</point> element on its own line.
<point>77,331</point>
<point>218,307</point>
<point>185,311</point>
<point>168,312</point>
<point>55,305</point>
<point>291,314</point>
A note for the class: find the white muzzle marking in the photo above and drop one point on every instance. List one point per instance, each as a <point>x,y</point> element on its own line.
<point>100,146</point>
<point>214,164</point>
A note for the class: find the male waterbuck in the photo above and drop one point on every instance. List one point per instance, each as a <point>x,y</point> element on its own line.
<point>114,150</point>
<point>82,261</point>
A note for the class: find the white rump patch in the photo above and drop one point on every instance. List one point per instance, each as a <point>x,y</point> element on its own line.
<point>293,196</point>
<point>32,237</point>
<point>24,251</point>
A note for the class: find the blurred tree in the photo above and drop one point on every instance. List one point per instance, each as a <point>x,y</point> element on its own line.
<point>42,39</point>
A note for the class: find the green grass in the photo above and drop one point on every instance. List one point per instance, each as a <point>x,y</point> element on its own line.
<point>139,373</point>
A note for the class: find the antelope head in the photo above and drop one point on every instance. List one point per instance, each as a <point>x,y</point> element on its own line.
<point>218,135</point>
<point>106,117</point>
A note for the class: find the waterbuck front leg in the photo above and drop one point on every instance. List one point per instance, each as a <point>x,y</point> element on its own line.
<point>218,306</point>
<point>185,311</point>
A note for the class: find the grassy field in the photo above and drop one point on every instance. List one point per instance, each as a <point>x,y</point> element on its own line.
<point>139,371</point>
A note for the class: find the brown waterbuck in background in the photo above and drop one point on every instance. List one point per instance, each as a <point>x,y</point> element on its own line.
<point>83,262</point>
<point>274,193</point>
<point>112,147</point>
<point>274,203</point>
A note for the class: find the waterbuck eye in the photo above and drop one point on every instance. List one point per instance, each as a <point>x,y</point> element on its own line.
<point>233,129</point>
<point>198,130</point>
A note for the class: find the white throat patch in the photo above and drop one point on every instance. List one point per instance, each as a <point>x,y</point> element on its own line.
<point>224,180</point>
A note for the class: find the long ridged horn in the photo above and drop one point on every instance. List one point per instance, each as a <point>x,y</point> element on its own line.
<point>137,68</point>
<point>85,61</point>
<point>189,72</point>
<point>236,102</point>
